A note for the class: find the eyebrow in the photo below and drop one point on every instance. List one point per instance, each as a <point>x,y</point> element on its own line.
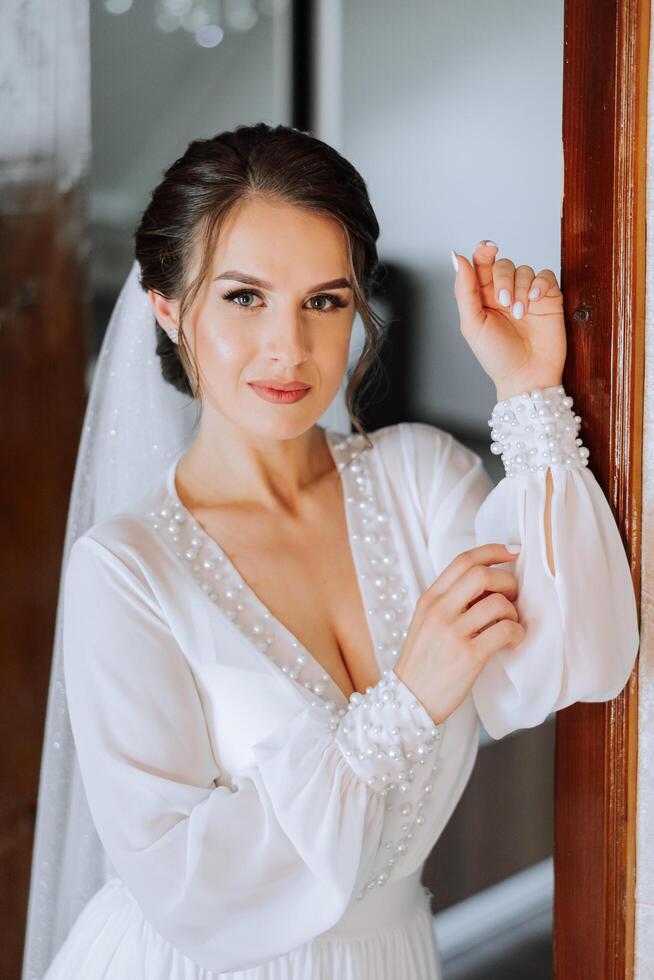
<point>253,281</point>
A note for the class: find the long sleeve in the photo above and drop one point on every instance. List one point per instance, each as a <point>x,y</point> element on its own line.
<point>581,623</point>
<point>231,877</point>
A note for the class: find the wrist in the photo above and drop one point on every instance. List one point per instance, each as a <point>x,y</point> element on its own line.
<point>537,429</point>
<point>385,730</point>
<point>504,392</point>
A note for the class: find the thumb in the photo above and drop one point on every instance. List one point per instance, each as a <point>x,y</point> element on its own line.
<point>468,295</point>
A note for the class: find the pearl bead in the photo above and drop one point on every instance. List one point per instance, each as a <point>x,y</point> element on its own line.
<point>556,426</point>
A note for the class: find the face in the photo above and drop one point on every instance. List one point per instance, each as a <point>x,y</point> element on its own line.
<point>293,325</point>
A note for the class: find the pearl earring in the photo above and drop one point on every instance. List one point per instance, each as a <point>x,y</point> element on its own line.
<point>173,334</point>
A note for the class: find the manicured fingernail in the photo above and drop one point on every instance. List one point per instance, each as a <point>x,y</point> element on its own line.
<point>489,242</point>
<point>513,548</point>
<point>455,261</point>
<point>505,297</point>
<point>533,293</point>
<point>518,310</point>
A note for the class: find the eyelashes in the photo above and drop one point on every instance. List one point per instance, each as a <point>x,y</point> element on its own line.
<point>336,301</point>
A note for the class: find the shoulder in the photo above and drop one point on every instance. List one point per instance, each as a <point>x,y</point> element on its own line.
<point>120,553</point>
<point>129,535</point>
<point>120,531</point>
<point>422,448</point>
<point>401,436</point>
<point>119,535</point>
<point>430,463</point>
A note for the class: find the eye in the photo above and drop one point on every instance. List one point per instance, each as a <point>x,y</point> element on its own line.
<point>235,295</point>
<point>238,294</point>
<point>336,302</point>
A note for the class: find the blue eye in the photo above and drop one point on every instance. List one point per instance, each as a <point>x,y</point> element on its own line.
<point>235,294</point>
<point>336,301</point>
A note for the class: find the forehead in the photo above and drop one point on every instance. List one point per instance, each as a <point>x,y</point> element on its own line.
<point>280,241</point>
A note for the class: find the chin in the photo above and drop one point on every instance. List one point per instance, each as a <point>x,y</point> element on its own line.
<point>272,425</point>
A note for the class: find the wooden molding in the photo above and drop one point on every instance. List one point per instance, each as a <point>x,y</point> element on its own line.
<point>606,54</point>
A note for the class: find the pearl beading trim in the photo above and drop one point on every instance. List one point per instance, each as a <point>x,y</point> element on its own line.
<point>405,733</point>
<point>382,590</point>
<point>535,430</point>
<point>387,733</point>
<point>222,584</point>
<point>388,728</point>
<point>384,595</point>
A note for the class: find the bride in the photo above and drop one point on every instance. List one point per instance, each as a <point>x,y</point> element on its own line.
<point>276,638</point>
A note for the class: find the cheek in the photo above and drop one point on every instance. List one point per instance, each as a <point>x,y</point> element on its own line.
<point>221,349</point>
<point>332,349</point>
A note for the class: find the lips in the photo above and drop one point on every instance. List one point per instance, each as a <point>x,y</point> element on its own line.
<point>280,396</point>
<point>280,385</point>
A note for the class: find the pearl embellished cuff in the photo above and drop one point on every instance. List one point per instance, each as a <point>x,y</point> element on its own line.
<point>385,733</point>
<point>535,430</point>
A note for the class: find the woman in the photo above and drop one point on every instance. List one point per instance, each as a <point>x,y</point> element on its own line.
<point>277,659</point>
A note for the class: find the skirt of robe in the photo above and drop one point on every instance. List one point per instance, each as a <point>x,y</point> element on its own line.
<point>391,937</point>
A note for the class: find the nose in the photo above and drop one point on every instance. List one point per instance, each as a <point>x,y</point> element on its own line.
<point>286,340</point>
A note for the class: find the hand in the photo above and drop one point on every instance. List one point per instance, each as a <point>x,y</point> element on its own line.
<point>519,351</point>
<point>462,619</point>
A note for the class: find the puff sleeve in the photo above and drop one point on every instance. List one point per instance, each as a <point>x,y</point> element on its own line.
<point>231,877</point>
<point>581,622</point>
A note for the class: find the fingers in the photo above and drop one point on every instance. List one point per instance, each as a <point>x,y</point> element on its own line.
<point>468,297</point>
<point>524,276</point>
<point>474,585</point>
<point>483,554</point>
<point>483,259</point>
<point>494,638</point>
<point>544,282</point>
<point>514,289</point>
<point>494,275</point>
<point>486,612</point>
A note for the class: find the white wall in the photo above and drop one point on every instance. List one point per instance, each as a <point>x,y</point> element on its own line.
<point>451,110</point>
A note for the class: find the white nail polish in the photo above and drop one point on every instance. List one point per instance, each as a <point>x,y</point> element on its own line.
<point>518,310</point>
<point>505,297</point>
<point>533,293</point>
<point>455,261</point>
<point>489,242</point>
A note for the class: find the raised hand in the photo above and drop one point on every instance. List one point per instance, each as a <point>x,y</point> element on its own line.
<point>517,337</point>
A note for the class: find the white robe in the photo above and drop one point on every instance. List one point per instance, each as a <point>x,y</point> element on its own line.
<point>242,800</point>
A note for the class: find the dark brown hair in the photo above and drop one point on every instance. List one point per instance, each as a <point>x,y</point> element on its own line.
<point>200,189</point>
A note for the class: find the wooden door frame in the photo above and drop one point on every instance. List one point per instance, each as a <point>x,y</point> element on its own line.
<point>605,72</point>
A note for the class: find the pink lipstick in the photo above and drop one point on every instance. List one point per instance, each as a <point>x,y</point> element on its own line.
<point>281,392</point>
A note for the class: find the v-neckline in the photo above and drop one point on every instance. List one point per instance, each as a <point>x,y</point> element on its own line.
<point>348,468</point>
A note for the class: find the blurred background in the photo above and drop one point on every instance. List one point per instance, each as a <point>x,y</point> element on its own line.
<point>451,111</point>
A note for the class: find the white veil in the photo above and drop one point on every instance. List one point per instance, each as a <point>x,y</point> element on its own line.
<point>135,422</point>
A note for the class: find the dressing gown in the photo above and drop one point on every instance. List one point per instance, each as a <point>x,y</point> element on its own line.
<point>262,825</point>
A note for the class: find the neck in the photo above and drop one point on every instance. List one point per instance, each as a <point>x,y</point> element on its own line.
<point>226,464</point>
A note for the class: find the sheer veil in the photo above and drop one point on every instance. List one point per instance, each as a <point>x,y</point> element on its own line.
<point>135,423</point>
